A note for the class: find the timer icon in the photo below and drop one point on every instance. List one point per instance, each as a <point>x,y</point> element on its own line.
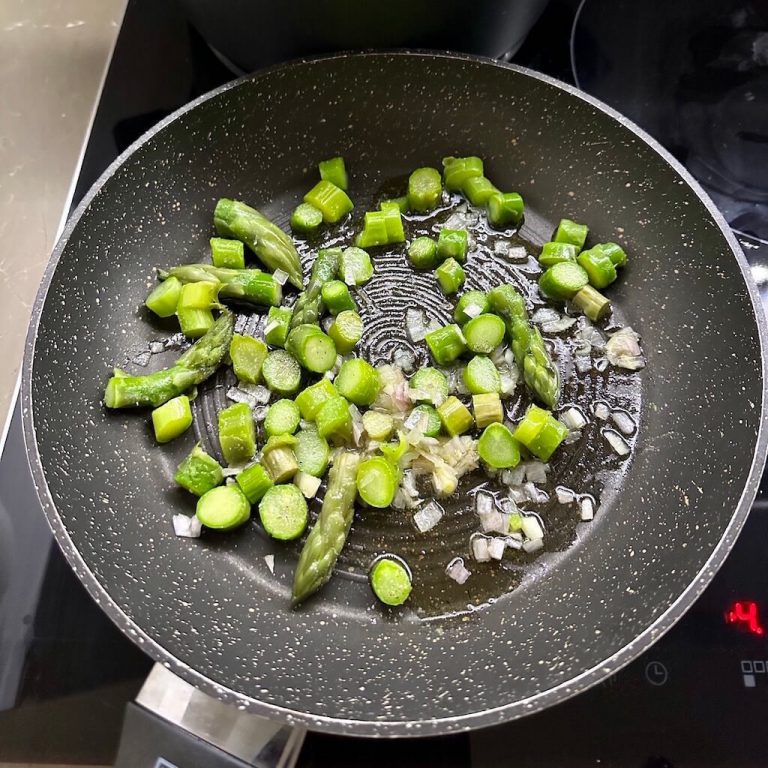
<point>656,673</point>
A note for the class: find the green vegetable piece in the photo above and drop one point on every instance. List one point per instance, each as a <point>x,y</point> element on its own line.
<point>515,522</point>
<point>333,419</point>
<point>446,344</point>
<point>337,298</point>
<point>282,374</point>
<point>193,367</point>
<point>484,333</point>
<point>172,419</point>
<point>402,203</point>
<point>393,222</point>
<point>393,452</point>
<point>332,201</point>
<point>390,581</point>
<point>598,266</point>
<point>247,355</point>
<point>223,508</point>
<point>456,171</point>
<point>374,230</point>
<point>195,323</point>
<point>327,537</point>
<point>564,280</point>
<point>198,296</point>
<point>199,472</point>
<point>428,419</point>
<point>335,171</point>
<point>455,416</point>
<point>355,267</point>
<point>424,189</point>
<point>279,441</point>
<point>481,376</point>
<point>428,385</point>
<point>280,462</point>
<point>306,219</point>
<point>358,381</point>
<point>553,253</point>
<point>570,232</point>
<point>237,433</point>
<point>277,326</point>
<point>505,209</point>
<point>614,252</point>
<point>450,276</point>
<point>309,304</point>
<point>254,482</point>
<point>470,304</point>
<point>283,512</point>
<point>592,303</point>
<point>164,297</point>
<point>248,286</point>
<point>540,432</point>
<point>497,448</point>
<point>378,426</point>
<point>422,253</point>
<point>274,247</point>
<point>310,399</point>
<point>478,190</point>
<point>313,349</point>
<point>452,244</point>
<point>227,253</point>
<point>488,409</point>
<point>312,452</point>
<point>346,330</point>
<point>377,482</point>
<point>282,418</point>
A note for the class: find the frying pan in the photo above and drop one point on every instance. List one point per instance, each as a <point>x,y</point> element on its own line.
<point>209,609</point>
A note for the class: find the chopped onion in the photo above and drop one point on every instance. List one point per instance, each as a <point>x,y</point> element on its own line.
<point>545,315</point>
<point>188,527</point>
<point>328,322</point>
<point>428,516</point>
<point>473,310</point>
<point>496,548</point>
<point>260,393</point>
<point>601,410</point>
<point>480,548</point>
<point>532,527</point>
<point>587,508</point>
<point>572,437</point>
<point>616,441</point>
<point>590,335</point>
<point>260,412</point>
<point>533,545</point>
<point>500,248</point>
<point>573,418</point>
<point>156,347</point>
<point>308,484</point>
<point>623,421</point>
<point>536,471</point>
<point>493,521</point>
<point>510,376</point>
<point>564,495</point>
<point>559,325</point>
<point>623,350</point>
<point>457,570</point>
<point>514,476</point>
<point>514,541</point>
<point>357,423</point>
<point>517,253</point>
<point>534,494</point>
<point>415,325</point>
<point>517,494</point>
<point>233,470</point>
<point>483,503</point>
<point>404,359</point>
<point>583,364</point>
<point>280,276</point>
<point>270,561</point>
<point>601,364</point>
<point>508,508</point>
<point>142,358</point>
<point>433,325</point>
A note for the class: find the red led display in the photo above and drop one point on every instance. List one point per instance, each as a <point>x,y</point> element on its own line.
<point>744,613</point>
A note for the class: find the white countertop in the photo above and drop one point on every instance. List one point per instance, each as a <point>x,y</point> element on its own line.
<point>53,55</point>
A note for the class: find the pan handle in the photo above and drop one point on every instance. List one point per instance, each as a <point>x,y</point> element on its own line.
<point>173,725</point>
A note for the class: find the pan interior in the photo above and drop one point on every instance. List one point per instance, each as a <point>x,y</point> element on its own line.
<point>211,609</point>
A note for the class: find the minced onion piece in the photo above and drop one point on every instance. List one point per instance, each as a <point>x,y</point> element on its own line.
<point>280,276</point>
<point>237,395</point>
<point>457,570</point>
<point>573,418</point>
<point>328,322</point>
<point>479,545</point>
<point>532,527</point>
<point>260,412</point>
<point>536,471</point>
<point>516,476</point>
<point>534,494</point>
<point>508,508</point>
<point>156,347</point>
<point>270,561</point>
<point>517,253</point>
<point>616,441</point>
<point>583,364</point>
<point>601,364</point>
<point>142,358</point>
<point>473,310</point>
<point>559,325</point>
<point>587,508</point>
<point>259,391</point>
<point>514,541</point>
<point>415,325</point>
<point>564,495</point>
<point>601,410</point>
<point>500,248</point>
<point>545,315</point>
<point>533,545</point>
<point>496,548</point>
<point>493,521</point>
<point>357,423</point>
<point>517,494</point>
<point>483,503</point>
<point>428,516</point>
<point>497,356</point>
<point>187,527</point>
<point>572,437</point>
<point>404,359</point>
<point>232,471</point>
<point>590,335</point>
<point>308,484</point>
<point>623,421</point>
<point>623,350</point>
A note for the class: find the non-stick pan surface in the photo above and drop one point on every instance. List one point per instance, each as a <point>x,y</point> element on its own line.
<point>209,609</point>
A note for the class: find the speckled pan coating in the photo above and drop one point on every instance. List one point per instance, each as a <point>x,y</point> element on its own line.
<point>210,611</point>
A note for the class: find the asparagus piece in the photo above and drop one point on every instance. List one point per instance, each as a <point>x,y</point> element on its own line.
<point>539,371</point>
<point>329,533</point>
<point>309,303</point>
<point>273,246</point>
<point>251,286</point>
<point>193,367</point>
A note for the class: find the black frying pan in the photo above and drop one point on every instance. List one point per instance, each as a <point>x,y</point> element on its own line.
<point>209,609</point>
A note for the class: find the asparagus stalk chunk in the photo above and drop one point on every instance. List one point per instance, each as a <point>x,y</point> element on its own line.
<point>273,246</point>
<point>309,303</point>
<point>250,286</point>
<point>193,367</point>
<point>327,537</point>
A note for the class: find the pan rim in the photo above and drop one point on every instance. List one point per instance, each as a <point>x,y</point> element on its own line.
<point>398,728</point>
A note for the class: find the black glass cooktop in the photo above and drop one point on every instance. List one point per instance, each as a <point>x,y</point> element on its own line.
<point>695,80</point>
